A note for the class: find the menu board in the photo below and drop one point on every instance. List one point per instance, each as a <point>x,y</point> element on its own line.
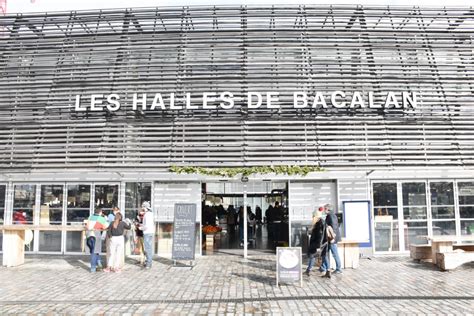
<point>289,265</point>
<point>357,222</point>
<point>184,232</point>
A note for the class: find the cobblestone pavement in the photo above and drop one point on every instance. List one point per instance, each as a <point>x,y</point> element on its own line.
<point>227,284</point>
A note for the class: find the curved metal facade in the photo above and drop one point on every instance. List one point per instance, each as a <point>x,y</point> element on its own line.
<point>47,59</point>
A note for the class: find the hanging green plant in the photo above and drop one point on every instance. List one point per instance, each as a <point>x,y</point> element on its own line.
<point>246,171</point>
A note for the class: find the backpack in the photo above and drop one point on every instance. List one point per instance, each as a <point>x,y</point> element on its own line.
<point>330,234</point>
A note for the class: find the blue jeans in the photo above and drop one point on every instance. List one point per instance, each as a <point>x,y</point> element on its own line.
<point>95,257</point>
<point>312,261</point>
<point>148,240</point>
<point>326,259</point>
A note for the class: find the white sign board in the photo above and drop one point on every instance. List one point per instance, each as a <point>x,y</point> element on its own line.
<point>289,261</point>
<point>357,221</point>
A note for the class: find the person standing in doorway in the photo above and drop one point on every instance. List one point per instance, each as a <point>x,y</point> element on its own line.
<point>241,225</point>
<point>258,214</point>
<point>148,228</point>
<point>96,224</point>
<point>117,243</point>
<point>331,221</point>
<point>269,221</point>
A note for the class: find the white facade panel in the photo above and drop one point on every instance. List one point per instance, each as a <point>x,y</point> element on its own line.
<point>166,194</point>
<point>305,197</point>
<point>354,189</point>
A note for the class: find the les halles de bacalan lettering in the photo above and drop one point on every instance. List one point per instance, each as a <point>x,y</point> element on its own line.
<point>253,100</point>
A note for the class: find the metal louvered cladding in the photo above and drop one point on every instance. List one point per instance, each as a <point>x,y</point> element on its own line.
<point>46,59</point>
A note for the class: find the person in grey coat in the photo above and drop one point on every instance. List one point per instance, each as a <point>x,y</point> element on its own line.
<point>331,220</point>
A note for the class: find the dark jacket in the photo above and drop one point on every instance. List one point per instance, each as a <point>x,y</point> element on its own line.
<point>318,237</point>
<point>331,220</point>
<point>119,230</point>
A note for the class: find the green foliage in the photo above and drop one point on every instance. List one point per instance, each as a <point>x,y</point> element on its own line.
<point>247,171</point>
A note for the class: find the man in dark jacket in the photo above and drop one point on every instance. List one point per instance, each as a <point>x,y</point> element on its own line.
<point>331,220</point>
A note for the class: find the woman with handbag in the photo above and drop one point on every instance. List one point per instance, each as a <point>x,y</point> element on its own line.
<point>317,240</point>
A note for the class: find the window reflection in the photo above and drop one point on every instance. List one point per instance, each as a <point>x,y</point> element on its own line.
<point>78,203</point>
<point>442,193</point>
<point>414,201</point>
<point>2,203</point>
<point>385,216</point>
<point>23,203</point>
<point>466,207</point>
<point>135,194</point>
<point>442,208</point>
<point>51,209</point>
<point>385,194</point>
<point>106,196</point>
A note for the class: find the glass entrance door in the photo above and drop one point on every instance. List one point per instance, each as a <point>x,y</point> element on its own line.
<point>267,215</point>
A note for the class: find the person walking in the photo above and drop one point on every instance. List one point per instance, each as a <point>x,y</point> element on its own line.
<point>117,243</point>
<point>317,239</point>
<point>332,222</point>
<point>240,220</point>
<point>139,243</point>
<point>148,228</point>
<point>95,225</point>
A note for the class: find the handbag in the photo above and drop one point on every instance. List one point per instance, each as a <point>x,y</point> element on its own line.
<point>331,234</point>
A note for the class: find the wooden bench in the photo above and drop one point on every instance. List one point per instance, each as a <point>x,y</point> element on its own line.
<point>444,253</point>
<point>465,247</point>
<point>420,252</point>
<point>454,259</point>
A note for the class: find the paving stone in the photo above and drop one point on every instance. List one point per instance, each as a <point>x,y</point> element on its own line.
<point>221,285</point>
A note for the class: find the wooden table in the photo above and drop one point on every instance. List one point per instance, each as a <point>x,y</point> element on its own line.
<point>349,253</point>
<point>14,240</point>
<point>445,243</point>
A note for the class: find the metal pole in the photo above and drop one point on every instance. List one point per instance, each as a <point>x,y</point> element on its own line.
<point>245,220</point>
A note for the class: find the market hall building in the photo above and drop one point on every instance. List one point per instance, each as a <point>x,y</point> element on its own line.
<point>99,108</point>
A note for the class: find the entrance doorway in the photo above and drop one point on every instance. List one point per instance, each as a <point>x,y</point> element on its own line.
<point>267,215</point>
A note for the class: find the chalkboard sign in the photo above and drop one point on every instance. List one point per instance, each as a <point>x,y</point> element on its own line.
<point>184,232</point>
<point>289,265</point>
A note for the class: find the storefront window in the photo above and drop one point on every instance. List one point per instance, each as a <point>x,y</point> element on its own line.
<point>50,241</point>
<point>385,217</point>
<point>78,203</point>
<point>23,210</point>
<point>414,213</point>
<point>135,194</point>
<point>78,210</point>
<point>385,199</point>
<point>51,210</point>
<point>414,201</point>
<point>23,203</point>
<point>442,208</point>
<point>2,211</point>
<point>466,207</point>
<point>2,204</point>
<point>106,197</point>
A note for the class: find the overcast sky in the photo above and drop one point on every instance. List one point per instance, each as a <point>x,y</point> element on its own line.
<point>14,6</point>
